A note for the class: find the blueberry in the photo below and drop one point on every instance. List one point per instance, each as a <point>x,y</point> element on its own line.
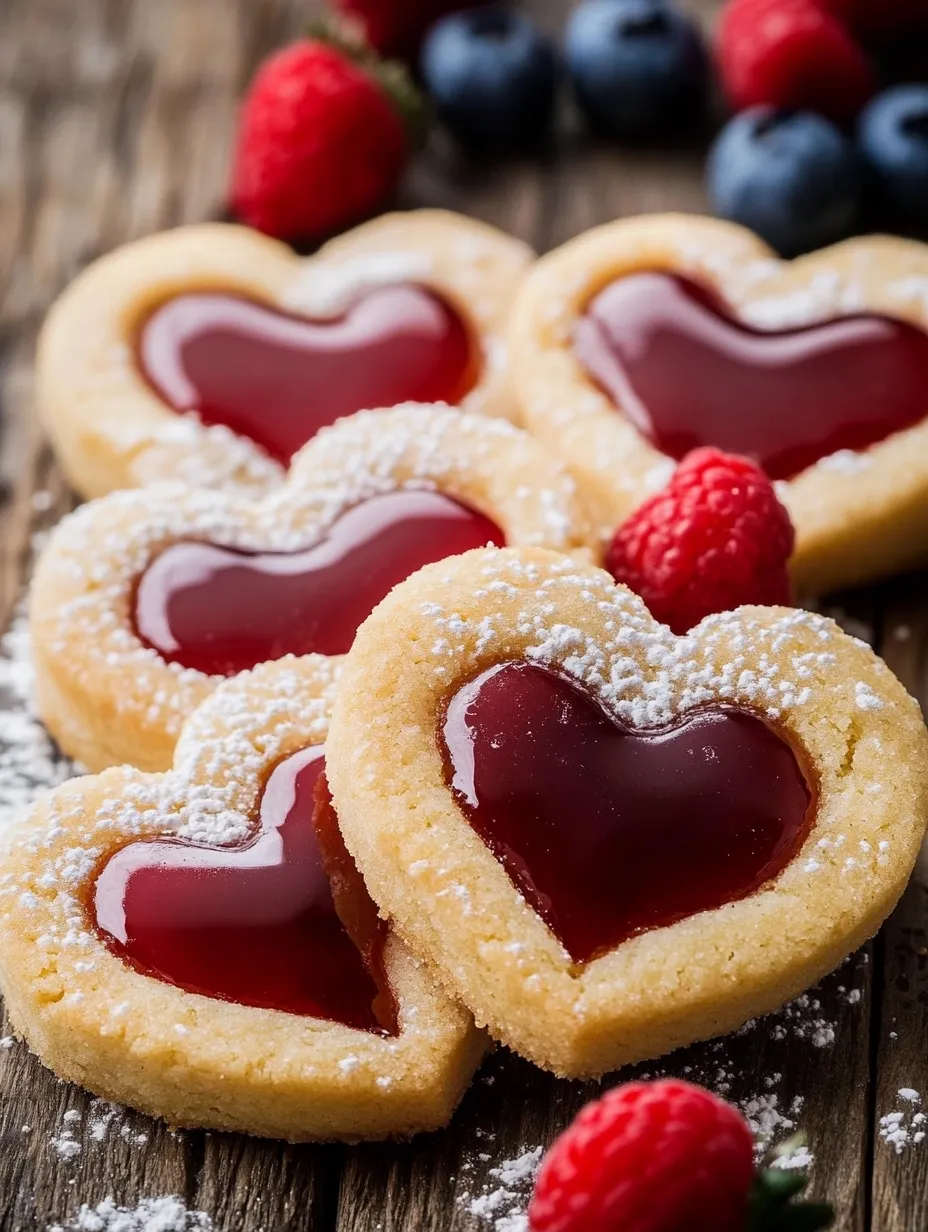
<point>493,77</point>
<point>893,137</point>
<point>791,176</point>
<point>637,66</point>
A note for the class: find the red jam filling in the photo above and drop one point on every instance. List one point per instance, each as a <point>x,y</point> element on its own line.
<point>222,610</point>
<point>282,922</point>
<point>606,831</point>
<point>278,378</point>
<point>686,373</point>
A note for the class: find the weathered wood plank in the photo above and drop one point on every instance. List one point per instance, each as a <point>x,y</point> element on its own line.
<point>900,1176</point>
<point>247,1183</point>
<point>59,1148</point>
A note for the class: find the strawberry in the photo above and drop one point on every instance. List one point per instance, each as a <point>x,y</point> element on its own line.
<point>322,140</point>
<point>791,54</point>
<point>664,1157</point>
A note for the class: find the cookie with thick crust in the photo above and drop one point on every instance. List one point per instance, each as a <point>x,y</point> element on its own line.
<point>764,821</point>
<point>109,694</point>
<point>98,1017</point>
<point>859,512</point>
<point>174,298</point>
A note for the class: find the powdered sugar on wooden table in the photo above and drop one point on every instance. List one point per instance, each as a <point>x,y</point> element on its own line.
<point>166,1214</point>
<point>29,760</point>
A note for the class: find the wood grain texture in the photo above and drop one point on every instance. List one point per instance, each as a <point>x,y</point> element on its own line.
<point>115,120</point>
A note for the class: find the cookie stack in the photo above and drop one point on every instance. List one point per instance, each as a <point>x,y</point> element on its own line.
<point>388,765</point>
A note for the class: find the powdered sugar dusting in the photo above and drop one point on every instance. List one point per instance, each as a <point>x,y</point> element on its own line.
<point>503,1198</point>
<point>29,760</point>
<point>906,1127</point>
<point>168,1214</point>
<point>183,448</point>
<point>321,290</point>
<point>641,671</point>
<point>798,1159</point>
<point>209,797</point>
<point>98,551</point>
<point>103,1122</point>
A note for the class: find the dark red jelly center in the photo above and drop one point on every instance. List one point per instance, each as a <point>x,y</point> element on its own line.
<point>686,373</point>
<point>222,610</point>
<point>278,378</point>
<point>607,831</point>
<point>283,922</point>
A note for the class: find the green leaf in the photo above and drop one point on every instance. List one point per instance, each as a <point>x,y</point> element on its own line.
<point>772,1207</point>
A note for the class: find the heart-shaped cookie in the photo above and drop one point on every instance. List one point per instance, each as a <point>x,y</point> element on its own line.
<point>142,601</point>
<point>198,944</point>
<point>611,841</point>
<point>647,337</point>
<point>212,353</point>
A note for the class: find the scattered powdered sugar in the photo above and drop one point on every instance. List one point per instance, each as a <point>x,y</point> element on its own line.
<point>29,760</point>
<point>104,1122</point>
<point>151,1215</point>
<point>804,1019</point>
<point>98,552</point>
<point>768,1121</point>
<point>185,449</point>
<point>66,1146</point>
<point>907,1127</point>
<point>798,1159</point>
<point>208,797</point>
<point>321,290</point>
<point>642,673</point>
<point>503,1198</point>
<point>865,697</point>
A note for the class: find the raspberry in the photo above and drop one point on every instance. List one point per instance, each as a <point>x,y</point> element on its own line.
<point>320,143</point>
<point>791,54</point>
<point>716,537</point>
<point>648,1157</point>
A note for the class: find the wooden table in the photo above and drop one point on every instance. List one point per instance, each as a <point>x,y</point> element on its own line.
<point>115,120</point>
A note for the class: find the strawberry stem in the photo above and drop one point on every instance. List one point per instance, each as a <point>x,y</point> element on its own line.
<point>772,1207</point>
<point>346,37</point>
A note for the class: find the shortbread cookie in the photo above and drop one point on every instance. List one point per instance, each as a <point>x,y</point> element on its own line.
<point>650,336</point>
<point>198,944</point>
<point>611,841</point>
<point>143,600</point>
<point>212,353</point>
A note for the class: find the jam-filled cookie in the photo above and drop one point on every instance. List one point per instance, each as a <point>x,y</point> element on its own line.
<point>212,353</point>
<point>648,337</point>
<point>144,600</point>
<point>609,840</point>
<point>199,945</point>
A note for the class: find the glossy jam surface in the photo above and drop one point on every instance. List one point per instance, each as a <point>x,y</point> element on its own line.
<point>605,831</point>
<point>687,374</point>
<point>222,610</point>
<point>283,922</point>
<point>278,378</point>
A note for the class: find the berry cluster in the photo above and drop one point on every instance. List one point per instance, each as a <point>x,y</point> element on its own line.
<point>665,1157</point>
<point>325,135</point>
<point>791,165</point>
<point>327,127</point>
